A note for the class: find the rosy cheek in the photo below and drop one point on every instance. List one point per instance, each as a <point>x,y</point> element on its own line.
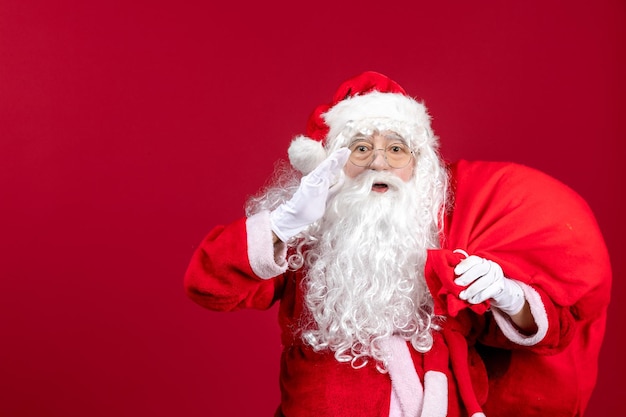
<point>352,171</point>
<point>406,173</point>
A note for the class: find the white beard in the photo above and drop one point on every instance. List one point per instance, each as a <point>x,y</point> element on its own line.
<point>365,261</point>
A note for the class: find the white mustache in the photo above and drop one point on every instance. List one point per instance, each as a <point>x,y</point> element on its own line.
<point>366,180</point>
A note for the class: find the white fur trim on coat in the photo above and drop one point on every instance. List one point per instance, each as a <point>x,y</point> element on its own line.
<point>264,261</point>
<point>406,388</point>
<point>435,394</point>
<point>537,309</point>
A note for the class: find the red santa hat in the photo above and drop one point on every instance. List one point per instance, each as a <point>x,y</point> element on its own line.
<point>363,104</point>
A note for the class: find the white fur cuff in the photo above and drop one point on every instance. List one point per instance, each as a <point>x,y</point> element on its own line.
<point>265,261</point>
<point>539,313</point>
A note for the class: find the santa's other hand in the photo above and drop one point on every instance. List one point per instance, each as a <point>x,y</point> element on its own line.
<point>485,280</point>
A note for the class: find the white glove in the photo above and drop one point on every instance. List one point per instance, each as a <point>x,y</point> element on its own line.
<point>487,281</point>
<point>309,202</point>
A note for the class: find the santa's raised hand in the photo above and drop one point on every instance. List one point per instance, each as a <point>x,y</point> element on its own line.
<point>309,201</point>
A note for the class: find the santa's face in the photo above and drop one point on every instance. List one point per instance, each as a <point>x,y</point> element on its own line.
<point>380,144</point>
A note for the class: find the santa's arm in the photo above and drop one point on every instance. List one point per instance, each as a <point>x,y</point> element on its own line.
<point>237,266</point>
<point>524,320</point>
<point>511,330</point>
<point>241,265</point>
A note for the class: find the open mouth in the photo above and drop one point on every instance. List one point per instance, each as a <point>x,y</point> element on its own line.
<point>380,187</point>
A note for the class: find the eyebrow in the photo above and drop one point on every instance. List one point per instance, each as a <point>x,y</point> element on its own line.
<point>368,138</point>
<point>395,136</point>
<point>357,139</point>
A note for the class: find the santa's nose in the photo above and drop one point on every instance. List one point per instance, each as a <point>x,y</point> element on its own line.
<point>379,162</point>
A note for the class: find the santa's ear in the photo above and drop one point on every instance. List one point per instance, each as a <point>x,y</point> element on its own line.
<point>305,154</point>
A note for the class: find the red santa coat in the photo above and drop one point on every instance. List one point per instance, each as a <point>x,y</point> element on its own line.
<point>538,230</point>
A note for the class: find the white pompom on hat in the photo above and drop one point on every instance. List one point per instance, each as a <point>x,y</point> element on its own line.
<point>367,102</point>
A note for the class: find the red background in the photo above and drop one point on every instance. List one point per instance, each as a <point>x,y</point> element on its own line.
<point>129,129</point>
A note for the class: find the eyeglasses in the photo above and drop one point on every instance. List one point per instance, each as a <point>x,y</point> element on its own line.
<point>397,154</point>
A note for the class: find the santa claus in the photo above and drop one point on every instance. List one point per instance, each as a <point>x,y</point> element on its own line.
<point>408,286</point>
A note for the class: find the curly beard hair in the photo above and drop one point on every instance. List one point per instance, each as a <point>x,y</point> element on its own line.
<point>364,262</point>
